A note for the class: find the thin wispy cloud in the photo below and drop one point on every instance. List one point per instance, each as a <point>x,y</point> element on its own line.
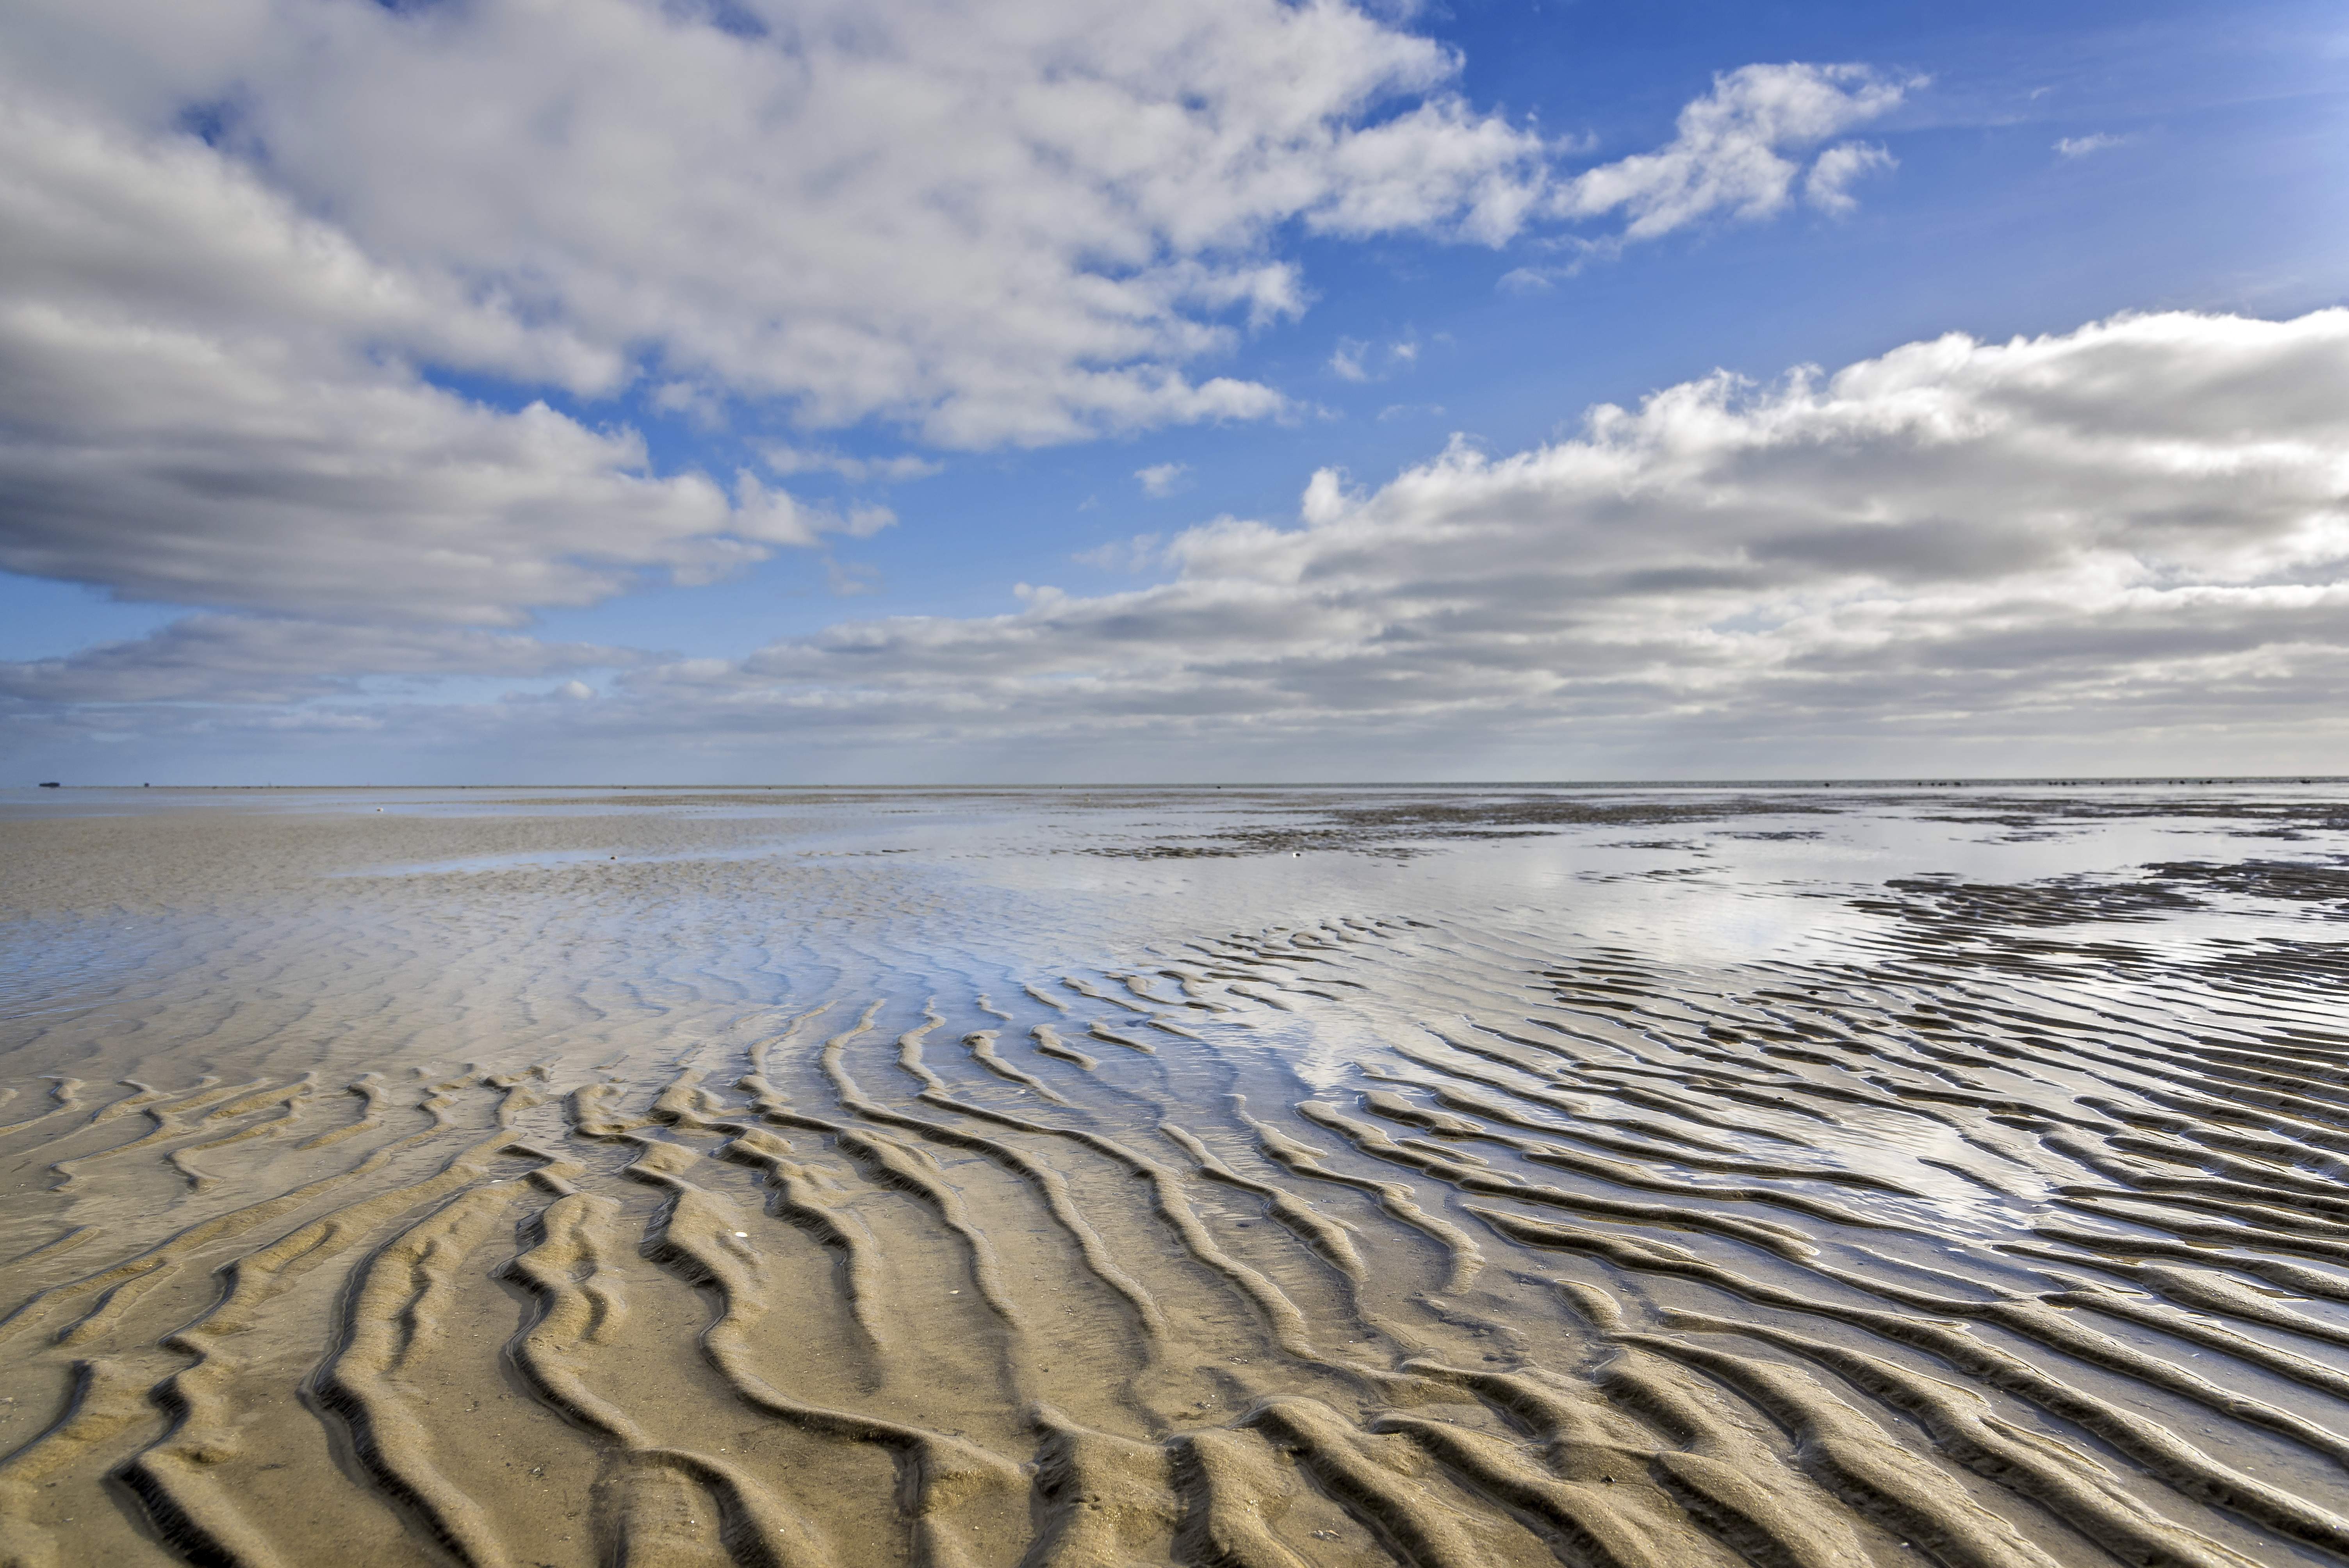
<point>240,659</point>
<point>784,458</point>
<point>1160,480</point>
<point>1139,554</point>
<point>1359,360</point>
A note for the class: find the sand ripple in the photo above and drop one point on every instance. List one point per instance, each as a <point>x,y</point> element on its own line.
<point>1976,1236</point>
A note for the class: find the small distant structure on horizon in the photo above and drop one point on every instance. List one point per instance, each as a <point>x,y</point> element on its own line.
<point>51,784</point>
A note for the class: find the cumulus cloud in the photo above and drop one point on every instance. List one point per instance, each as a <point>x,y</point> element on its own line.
<point>2134,530</point>
<point>277,338</point>
<point>1739,149</point>
<point>2141,523</point>
<point>195,408</point>
<point>996,222</point>
<point>256,269</point>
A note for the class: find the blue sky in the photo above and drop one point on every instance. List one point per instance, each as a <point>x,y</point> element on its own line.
<point>1048,507</point>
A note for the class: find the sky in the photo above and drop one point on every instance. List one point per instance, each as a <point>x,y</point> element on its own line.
<point>791,391</point>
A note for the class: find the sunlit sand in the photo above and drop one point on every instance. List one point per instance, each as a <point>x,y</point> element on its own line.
<point>1803,1178</point>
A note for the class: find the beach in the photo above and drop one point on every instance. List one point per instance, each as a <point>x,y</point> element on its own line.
<point>1793,1176</point>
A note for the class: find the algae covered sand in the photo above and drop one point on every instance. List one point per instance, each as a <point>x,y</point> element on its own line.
<point>1802,1178</point>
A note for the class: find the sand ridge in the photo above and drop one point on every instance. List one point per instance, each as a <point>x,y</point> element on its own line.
<point>455,1217</point>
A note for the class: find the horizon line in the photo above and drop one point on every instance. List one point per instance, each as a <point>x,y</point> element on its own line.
<point>1810,781</point>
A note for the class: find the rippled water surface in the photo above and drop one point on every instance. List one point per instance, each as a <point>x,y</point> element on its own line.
<point>1795,1177</point>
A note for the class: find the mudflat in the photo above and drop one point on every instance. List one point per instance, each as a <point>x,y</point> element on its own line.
<point>1802,1178</point>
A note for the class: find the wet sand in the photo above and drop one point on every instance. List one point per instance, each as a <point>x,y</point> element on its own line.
<point>1801,1179</point>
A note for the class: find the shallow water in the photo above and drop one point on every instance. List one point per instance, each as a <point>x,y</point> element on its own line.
<point>1261,1176</point>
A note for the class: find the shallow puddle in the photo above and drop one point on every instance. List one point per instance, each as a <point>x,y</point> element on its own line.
<point>1794,1177</point>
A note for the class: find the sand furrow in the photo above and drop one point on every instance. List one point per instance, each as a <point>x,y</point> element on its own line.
<point>510,1198</point>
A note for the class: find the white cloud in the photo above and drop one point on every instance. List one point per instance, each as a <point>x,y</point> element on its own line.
<point>1731,155</point>
<point>1160,480</point>
<point>2132,535</point>
<point>224,363</point>
<point>1827,186</point>
<point>195,408</point>
<point>2138,526</point>
<point>999,222</point>
<point>2081,146</point>
<point>1346,359</point>
<point>703,405</point>
<point>1002,224</point>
